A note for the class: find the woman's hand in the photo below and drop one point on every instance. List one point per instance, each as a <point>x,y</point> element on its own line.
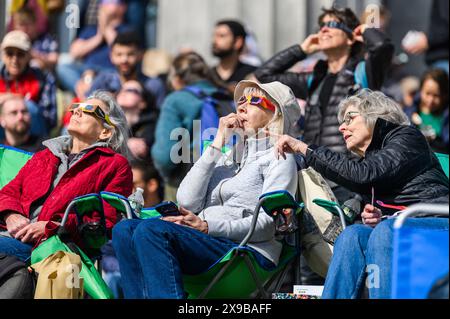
<point>311,44</point>
<point>138,147</point>
<point>358,32</point>
<point>189,219</point>
<point>287,144</point>
<point>227,125</point>
<point>419,45</point>
<point>371,216</point>
<point>15,222</point>
<point>32,232</point>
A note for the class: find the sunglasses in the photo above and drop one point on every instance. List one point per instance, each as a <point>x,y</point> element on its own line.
<point>348,118</point>
<point>336,25</point>
<point>132,90</point>
<point>17,53</point>
<point>258,101</point>
<point>91,109</point>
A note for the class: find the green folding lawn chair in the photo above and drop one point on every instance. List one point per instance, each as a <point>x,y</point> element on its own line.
<point>443,159</point>
<point>236,274</point>
<point>93,236</point>
<point>121,204</point>
<point>11,161</point>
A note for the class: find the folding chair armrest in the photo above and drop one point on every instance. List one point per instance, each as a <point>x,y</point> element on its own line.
<point>421,209</point>
<point>277,200</point>
<point>67,211</point>
<point>254,220</point>
<point>119,202</point>
<point>332,207</point>
<point>76,200</point>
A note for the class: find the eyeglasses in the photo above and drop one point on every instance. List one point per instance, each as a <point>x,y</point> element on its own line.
<point>18,53</point>
<point>132,90</point>
<point>91,108</point>
<point>348,118</point>
<point>258,101</point>
<point>336,25</point>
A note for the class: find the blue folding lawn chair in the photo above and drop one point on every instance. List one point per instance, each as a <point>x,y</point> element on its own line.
<point>421,255</point>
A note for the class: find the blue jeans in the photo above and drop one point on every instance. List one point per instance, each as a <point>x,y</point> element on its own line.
<point>68,74</point>
<point>357,250</point>
<point>113,280</point>
<point>154,254</point>
<point>135,17</point>
<point>14,247</point>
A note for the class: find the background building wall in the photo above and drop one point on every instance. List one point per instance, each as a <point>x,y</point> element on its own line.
<point>3,11</point>
<point>277,24</point>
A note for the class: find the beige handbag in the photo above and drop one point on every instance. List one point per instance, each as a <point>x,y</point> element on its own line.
<point>58,277</point>
<point>316,250</point>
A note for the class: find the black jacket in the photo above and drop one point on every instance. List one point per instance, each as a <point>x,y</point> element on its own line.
<point>321,123</point>
<point>398,164</point>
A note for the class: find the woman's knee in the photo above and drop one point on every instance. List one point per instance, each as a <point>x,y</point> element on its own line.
<point>124,230</point>
<point>354,235</point>
<point>152,227</point>
<point>382,234</point>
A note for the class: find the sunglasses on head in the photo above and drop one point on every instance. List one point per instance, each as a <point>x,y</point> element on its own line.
<point>258,101</point>
<point>336,25</point>
<point>93,109</point>
<point>17,53</point>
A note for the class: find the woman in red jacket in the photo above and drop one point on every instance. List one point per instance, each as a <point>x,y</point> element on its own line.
<point>89,160</point>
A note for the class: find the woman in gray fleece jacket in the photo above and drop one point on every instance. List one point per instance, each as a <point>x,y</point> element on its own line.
<point>217,199</point>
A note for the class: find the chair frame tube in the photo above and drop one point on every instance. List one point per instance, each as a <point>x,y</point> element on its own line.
<point>421,209</point>
<point>261,288</point>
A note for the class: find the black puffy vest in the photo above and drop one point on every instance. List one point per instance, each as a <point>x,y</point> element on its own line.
<point>323,128</point>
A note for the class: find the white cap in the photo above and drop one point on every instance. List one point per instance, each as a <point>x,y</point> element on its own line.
<point>16,39</point>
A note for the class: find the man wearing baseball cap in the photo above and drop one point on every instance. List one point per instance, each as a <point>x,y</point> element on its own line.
<point>17,78</point>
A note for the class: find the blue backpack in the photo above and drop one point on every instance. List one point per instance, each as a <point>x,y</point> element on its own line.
<point>215,106</point>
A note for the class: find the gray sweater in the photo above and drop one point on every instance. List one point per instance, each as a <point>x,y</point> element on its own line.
<point>225,193</point>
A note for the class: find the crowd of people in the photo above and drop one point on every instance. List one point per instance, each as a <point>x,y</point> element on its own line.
<point>116,134</point>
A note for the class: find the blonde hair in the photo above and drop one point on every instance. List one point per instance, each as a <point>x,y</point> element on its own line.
<point>275,125</point>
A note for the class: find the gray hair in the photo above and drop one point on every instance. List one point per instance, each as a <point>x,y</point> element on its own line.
<point>120,132</point>
<point>373,105</point>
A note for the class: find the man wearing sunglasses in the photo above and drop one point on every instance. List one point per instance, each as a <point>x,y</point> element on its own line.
<point>342,39</point>
<point>17,78</point>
